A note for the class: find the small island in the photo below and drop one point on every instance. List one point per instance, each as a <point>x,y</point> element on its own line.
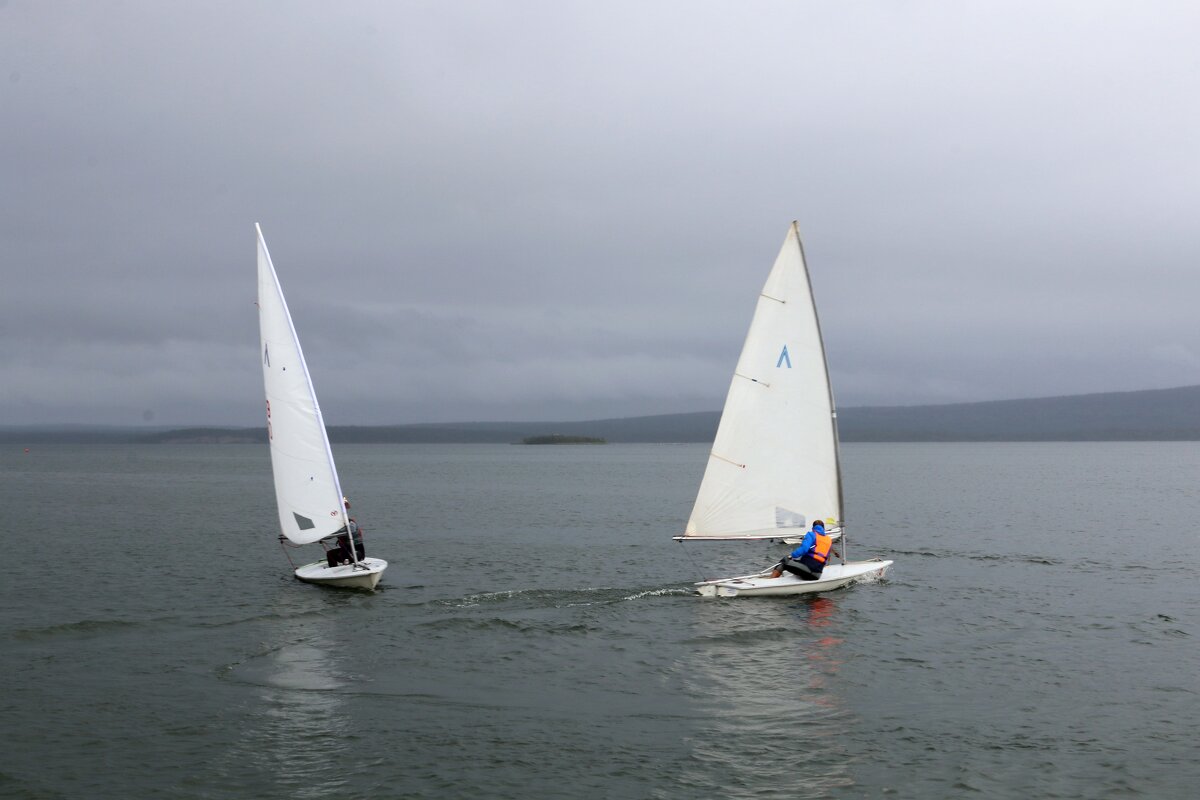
<point>558,438</point>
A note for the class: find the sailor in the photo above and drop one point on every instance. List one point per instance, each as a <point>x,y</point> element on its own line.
<point>356,536</point>
<point>808,560</point>
<point>341,553</point>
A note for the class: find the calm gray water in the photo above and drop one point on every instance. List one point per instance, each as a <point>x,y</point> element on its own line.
<point>535,637</point>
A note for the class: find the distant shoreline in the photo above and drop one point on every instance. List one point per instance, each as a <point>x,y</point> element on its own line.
<point>1154,415</point>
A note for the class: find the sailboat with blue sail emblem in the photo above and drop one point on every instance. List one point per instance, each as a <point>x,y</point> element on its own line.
<point>308,493</point>
<point>775,464</point>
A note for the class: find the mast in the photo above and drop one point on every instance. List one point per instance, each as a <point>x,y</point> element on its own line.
<point>837,442</point>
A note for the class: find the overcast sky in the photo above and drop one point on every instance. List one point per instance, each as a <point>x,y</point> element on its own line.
<point>566,210</point>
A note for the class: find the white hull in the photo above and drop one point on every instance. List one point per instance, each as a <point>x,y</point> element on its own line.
<point>364,575</point>
<point>834,576</point>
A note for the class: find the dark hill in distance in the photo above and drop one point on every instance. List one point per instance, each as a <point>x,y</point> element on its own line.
<point>1149,415</point>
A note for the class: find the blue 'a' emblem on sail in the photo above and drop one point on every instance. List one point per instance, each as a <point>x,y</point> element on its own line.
<point>267,354</point>
<point>784,358</point>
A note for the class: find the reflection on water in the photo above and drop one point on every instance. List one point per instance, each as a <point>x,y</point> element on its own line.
<point>303,729</point>
<point>765,680</point>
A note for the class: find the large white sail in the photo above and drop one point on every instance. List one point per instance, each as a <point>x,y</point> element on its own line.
<point>307,491</point>
<point>774,463</point>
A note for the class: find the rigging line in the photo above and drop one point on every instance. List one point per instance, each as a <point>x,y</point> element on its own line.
<point>727,460</point>
<point>776,299</point>
<point>752,380</point>
<point>282,546</point>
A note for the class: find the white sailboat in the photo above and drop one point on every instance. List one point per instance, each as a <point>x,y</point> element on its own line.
<point>774,467</point>
<point>307,491</point>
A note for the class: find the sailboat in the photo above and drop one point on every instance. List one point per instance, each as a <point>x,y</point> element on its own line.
<point>774,467</point>
<point>308,494</point>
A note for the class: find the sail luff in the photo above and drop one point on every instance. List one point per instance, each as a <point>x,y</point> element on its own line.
<point>307,489</point>
<point>833,421</point>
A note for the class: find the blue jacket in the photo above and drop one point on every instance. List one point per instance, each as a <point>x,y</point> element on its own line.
<point>807,544</point>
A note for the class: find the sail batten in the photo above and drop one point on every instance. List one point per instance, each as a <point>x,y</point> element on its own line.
<point>307,491</point>
<point>761,383</point>
<point>791,429</point>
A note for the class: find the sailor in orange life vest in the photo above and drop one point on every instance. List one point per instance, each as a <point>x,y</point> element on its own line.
<point>808,560</point>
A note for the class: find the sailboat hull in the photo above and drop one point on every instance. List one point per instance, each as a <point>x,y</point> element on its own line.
<point>364,575</point>
<point>835,576</point>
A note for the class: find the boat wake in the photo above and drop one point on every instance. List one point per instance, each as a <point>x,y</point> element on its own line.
<point>1000,558</point>
<point>476,625</point>
<point>665,592</point>
<point>561,598</point>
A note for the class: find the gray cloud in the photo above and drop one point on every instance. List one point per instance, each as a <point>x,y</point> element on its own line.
<point>522,210</point>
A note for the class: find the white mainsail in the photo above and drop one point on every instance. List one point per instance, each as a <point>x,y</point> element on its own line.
<point>774,463</point>
<point>307,491</point>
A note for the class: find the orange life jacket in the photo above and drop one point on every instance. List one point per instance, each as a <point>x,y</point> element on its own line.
<point>820,551</point>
